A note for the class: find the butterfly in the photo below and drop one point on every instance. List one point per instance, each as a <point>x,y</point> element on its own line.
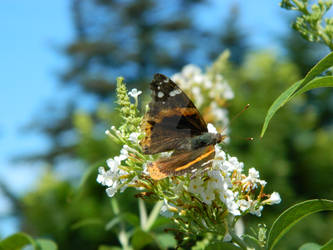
<point>173,123</point>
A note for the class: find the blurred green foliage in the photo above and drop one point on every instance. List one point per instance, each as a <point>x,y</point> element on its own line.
<point>295,156</point>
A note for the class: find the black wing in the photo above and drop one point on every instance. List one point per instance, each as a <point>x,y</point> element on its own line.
<point>171,118</point>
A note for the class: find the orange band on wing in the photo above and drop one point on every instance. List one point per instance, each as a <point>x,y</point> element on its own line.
<point>196,160</point>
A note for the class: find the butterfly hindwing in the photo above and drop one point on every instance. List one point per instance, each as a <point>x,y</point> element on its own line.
<point>171,118</point>
<point>181,163</point>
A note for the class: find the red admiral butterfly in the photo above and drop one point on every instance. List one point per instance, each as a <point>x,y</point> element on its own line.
<point>174,123</point>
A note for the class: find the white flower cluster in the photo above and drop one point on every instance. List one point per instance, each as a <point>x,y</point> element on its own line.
<point>226,183</point>
<point>116,177</point>
<point>202,87</point>
<point>191,78</point>
<point>112,177</point>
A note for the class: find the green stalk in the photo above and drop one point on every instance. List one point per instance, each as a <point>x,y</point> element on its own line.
<point>153,216</point>
<point>122,235</point>
<point>143,213</point>
<point>237,240</point>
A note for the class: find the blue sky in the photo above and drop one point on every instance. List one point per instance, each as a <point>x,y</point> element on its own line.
<point>32,32</point>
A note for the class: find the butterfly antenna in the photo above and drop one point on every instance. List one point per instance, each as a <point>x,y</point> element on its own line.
<point>239,113</point>
<point>236,116</point>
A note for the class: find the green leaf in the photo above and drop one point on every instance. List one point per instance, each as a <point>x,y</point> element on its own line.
<point>45,244</point>
<point>319,82</point>
<point>321,66</point>
<point>328,245</point>
<point>309,246</point>
<point>278,103</point>
<point>87,222</point>
<point>104,247</point>
<point>131,218</point>
<point>112,223</point>
<point>222,245</point>
<point>141,239</point>
<point>160,221</point>
<point>166,240</point>
<point>294,214</point>
<point>17,241</point>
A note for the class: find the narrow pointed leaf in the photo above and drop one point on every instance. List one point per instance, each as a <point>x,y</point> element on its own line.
<point>320,67</point>
<point>319,82</point>
<point>278,103</point>
<point>294,214</point>
<point>87,222</point>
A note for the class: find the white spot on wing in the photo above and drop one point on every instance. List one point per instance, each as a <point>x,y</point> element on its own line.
<point>175,92</point>
<point>160,94</point>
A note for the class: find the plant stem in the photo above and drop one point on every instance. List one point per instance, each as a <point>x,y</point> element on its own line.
<point>122,235</point>
<point>143,213</point>
<point>237,240</point>
<point>153,216</point>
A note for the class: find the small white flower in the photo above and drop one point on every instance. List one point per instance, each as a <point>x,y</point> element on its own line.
<point>135,93</point>
<point>197,96</point>
<point>228,93</point>
<point>165,212</point>
<point>196,186</point>
<point>207,197</point>
<point>133,137</point>
<point>235,164</point>
<point>243,205</point>
<point>216,180</point>
<point>165,209</point>
<point>253,178</point>
<point>234,209</point>
<point>226,196</point>
<point>274,199</point>
<point>190,70</point>
<point>253,174</point>
<point>103,177</point>
<point>219,153</point>
<point>206,82</point>
<point>254,209</point>
<point>258,211</point>
<point>111,191</point>
<point>124,153</point>
<point>113,163</point>
<point>220,114</point>
<point>211,128</point>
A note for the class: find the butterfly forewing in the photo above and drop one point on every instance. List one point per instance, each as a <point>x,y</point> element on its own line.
<point>171,118</point>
